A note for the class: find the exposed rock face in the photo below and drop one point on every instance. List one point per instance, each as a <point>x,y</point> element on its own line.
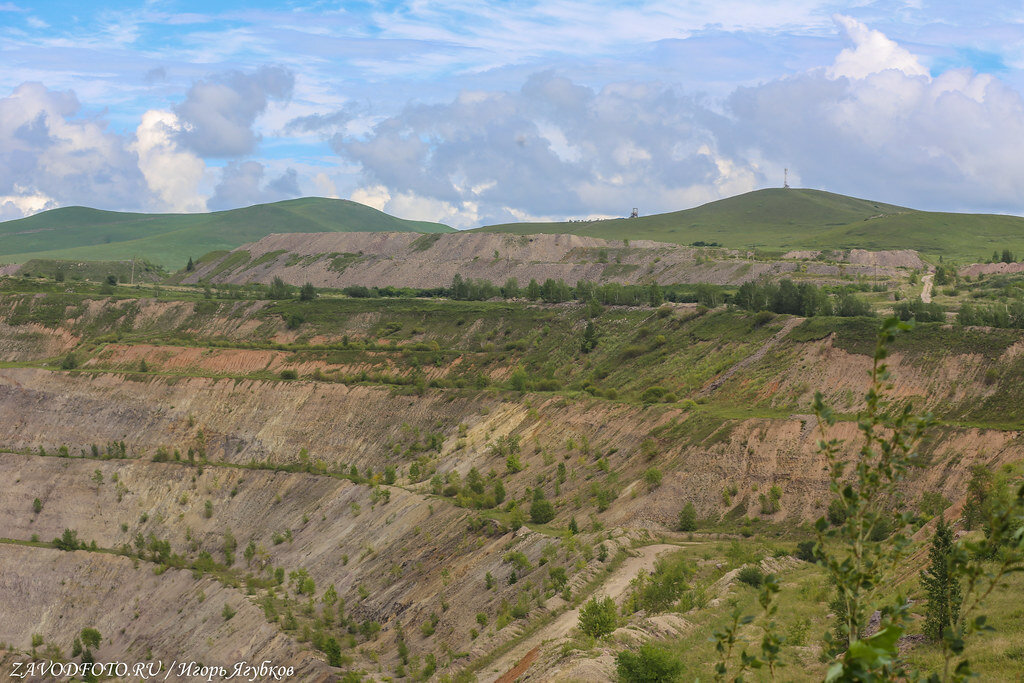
<point>410,260</point>
<point>802,254</point>
<point>900,258</point>
<point>158,617</point>
<point>897,258</point>
<point>977,269</point>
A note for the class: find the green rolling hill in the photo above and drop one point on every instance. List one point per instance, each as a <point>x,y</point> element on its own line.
<point>784,219</point>
<point>771,220</point>
<point>78,232</point>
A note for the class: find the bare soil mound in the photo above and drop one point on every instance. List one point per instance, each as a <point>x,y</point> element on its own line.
<point>427,261</point>
<point>977,269</point>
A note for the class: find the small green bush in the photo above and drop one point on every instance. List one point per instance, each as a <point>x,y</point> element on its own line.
<point>598,617</point>
<point>688,518</point>
<point>91,638</point>
<point>653,395</point>
<point>836,512</point>
<point>805,551</point>
<point>68,541</point>
<point>932,503</point>
<point>649,448</point>
<point>542,511</point>
<point>519,560</point>
<point>650,664</point>
<point>751,575</point>
<point>558,577</point>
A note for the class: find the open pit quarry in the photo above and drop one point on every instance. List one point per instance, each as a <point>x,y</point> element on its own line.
<point>326,496</point>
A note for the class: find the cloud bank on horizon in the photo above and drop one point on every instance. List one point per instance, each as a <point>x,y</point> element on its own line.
<point>481,112</point>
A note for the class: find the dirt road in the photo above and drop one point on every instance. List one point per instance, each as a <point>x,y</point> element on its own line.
<point>614,587</point>
<point>926,293</point>
<point>721,379</point>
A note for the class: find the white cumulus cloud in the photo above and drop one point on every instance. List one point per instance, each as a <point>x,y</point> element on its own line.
<point>24,203</point>
<point>47,149</point>
<point>219,111</point>
<point>872,52</point>
<point>172,173</point>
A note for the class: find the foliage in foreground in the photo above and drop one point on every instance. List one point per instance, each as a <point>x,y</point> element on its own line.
<point>860,563</point>
<point>859,560</point>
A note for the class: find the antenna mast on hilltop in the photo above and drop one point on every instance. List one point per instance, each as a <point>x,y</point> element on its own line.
<point>785,178</point>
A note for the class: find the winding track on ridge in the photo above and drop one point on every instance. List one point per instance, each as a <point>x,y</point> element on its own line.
<point>926,292</point>
<point>721,379</point>
<point>516,661</point>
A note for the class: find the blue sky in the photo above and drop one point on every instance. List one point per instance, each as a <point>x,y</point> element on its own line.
<point>472,112</point>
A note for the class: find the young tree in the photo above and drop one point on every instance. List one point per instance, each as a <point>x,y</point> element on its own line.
<point>333,651</point>
<point>230,544</point>
<point>589,341</point>
<point>307,293</point>
<point>279,289</point>
<point>474,481</point>
<point>91,638</point>
<point>460,289</point>
<point>979,493</point>
<point>653,477</point>
<point>533,290</point>
<point>511,288</point>
<point>654,295</point>
<point>249,553</point>
<point>598,617</point>
<point>68,541</point>
<point>688,518</point>
<point>943,589</point>
<point>541,511</point>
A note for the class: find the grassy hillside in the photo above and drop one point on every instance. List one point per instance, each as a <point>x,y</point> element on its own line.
<point>124,271</point>
<point>170,239</point>
<point>812,219</point>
